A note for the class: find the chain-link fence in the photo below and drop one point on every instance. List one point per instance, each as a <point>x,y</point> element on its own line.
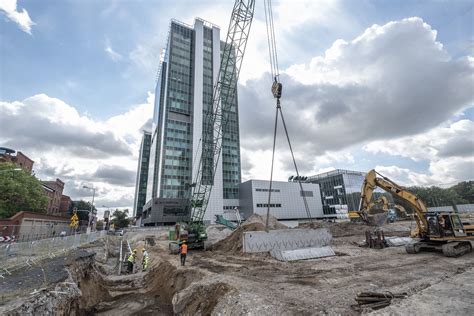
<point>14,256</point>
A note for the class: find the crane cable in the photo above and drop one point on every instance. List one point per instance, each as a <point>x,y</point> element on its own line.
<point>275,72</point>
<point>276,90</point>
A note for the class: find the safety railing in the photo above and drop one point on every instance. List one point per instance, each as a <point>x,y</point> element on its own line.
<point>17,255</point>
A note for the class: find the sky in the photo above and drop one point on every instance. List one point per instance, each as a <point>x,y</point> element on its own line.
<point>381,84</point>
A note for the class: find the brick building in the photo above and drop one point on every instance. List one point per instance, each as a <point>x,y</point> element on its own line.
<point>58,204</point>
<point>65,205</point>
<point>31,226</point>
<point>20,159</point>
<point>53,191</point>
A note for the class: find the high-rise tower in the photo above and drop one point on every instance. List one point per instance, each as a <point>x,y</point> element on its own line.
<point>142,174</point>
<point>189,68</point>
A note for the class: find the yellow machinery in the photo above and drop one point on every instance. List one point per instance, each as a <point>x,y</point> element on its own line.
<point>434,230</point>
<point>370,210</point>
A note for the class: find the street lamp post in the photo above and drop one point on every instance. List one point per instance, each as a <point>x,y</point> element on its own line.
<point>91,214</point>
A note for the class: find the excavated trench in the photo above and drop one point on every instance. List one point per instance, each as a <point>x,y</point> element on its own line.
<point>164,289</point>
<point>93,288</point>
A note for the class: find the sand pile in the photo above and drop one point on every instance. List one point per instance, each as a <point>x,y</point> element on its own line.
<point>339,229</point>
<point>216,233</point>
<point>273,223</point>
<point>233,243</point>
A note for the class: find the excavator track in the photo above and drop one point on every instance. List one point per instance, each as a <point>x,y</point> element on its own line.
<point>456,249</point>
<point>412,248</point>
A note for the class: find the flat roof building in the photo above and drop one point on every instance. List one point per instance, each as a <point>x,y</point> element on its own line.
<point>286,199</point>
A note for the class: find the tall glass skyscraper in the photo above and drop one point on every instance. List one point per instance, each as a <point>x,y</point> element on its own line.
<point>142,174</point>
<point>189,67</point>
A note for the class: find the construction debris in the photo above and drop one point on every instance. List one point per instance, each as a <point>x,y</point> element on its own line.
<point>375,300</point>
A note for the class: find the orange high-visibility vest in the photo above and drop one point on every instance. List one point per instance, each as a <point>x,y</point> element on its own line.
<point>184,249</point>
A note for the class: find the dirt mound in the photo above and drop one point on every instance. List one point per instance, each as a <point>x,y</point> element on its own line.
<point>273,223</point>
<point>339,229</point>
<point>216,233</point>
<point>233,243</point>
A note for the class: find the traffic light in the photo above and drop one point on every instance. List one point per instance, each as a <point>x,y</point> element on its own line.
<point>74,221</point>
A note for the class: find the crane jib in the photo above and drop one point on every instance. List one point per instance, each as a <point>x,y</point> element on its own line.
<point>224,92</point>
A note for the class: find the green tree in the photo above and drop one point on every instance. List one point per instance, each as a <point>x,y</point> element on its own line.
<point>19,191</point>
<point>82,205</point>
<point>120,218</point>
<point>436,196</point>
<point>100,224</point>
<point>465,190</point>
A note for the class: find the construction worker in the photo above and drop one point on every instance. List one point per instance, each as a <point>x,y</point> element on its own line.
<point>183,251</point>
<point>145,259</point>
<point>131,261</point>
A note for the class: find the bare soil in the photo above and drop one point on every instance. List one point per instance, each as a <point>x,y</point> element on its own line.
<point>225,281</point>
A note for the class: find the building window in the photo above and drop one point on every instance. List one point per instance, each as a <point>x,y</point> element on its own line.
<point>266,190</point>
<point>266,205</point>
<point>306,193</point>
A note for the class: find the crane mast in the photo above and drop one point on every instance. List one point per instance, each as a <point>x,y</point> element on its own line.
<point>225,91</point>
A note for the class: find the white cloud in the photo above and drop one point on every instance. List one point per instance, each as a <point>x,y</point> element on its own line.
<point>449,150</point>
<point>392,81</point>
<point>111,52</point>
<point>9,7</point>
<point>77,149</point>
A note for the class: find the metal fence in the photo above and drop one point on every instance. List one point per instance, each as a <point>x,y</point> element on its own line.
<point>25,232</point>
<point>14,256</point>
<point>147,228</point>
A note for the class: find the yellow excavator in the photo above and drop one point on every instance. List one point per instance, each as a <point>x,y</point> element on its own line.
<point>434,230</point>
<point>379,206</point>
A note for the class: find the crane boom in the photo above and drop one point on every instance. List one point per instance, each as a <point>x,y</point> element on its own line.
<point>225,91</point>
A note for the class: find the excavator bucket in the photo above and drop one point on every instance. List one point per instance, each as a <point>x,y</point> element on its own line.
<point>377,219</point>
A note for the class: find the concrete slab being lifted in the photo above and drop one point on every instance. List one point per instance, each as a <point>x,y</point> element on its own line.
<point>286,239</point>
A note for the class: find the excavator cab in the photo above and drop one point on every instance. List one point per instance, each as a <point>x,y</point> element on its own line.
<point>445,225</point>
<point>457,226</point>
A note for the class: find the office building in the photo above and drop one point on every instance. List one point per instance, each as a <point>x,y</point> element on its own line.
<point>189,68</point>
<point>286,199</point>
<point>340,190</point>
<point>142,175</point>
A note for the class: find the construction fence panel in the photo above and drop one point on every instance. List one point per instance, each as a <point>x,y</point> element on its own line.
<point>285,239</point>
<point>20,254</point>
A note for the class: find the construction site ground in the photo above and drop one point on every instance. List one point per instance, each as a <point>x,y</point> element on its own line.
<point>225,281</point>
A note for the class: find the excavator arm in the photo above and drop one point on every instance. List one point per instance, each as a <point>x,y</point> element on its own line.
<point>375,180</point>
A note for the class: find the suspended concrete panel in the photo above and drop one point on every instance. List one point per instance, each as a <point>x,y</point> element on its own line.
<point>285,239</point>
<point>303,253</point>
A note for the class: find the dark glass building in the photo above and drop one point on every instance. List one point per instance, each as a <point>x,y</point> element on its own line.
<point>340,190</point>
<point>142,175</point>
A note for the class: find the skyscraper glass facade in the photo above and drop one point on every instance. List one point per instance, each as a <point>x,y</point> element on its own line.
<point>142,174</point>
<point>177,150</point>
<point>340,189</point>
<point>181,123</point>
